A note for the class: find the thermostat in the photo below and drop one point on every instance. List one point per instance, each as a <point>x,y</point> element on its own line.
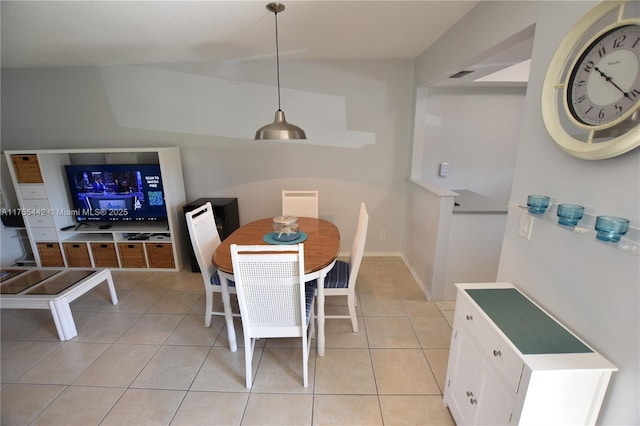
<point>444,169</point>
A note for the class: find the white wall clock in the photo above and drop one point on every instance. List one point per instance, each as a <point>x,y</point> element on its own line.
<point>591,93</point>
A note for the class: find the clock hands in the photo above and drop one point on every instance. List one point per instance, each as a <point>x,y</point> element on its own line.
<point>607,78</point>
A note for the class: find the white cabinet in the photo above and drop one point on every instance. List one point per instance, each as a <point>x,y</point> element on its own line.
<point>36,212</point>
<point>32,191</point>
<point>512,363</point>
<point>42,190</point>
<point>464,385</point>
<point>474,379</point>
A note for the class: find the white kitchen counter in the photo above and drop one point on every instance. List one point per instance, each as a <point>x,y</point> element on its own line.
<point>469,202</point>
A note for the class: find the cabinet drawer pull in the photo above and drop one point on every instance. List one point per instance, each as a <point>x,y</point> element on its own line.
<point>473,401</point>
<point>469,393</point>
<point>497,353</point>
<point>469,317</point>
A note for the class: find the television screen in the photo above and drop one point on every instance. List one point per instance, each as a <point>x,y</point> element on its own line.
<point>116,192</point>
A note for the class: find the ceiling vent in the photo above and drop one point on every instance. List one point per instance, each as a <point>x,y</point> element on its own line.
<point>461,74</point>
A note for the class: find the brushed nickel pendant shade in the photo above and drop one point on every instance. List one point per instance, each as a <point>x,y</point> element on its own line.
<point>279,129</point>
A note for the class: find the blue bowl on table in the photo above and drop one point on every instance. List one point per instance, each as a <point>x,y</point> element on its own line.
<point>286,237</point>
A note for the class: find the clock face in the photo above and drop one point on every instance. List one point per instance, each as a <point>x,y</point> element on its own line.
<point>591,93</point>
<point>605,82</point>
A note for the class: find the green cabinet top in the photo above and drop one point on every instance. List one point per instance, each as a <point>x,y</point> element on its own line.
<point>530,329</point>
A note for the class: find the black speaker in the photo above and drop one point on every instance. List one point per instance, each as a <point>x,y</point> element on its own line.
<point>225,211</point>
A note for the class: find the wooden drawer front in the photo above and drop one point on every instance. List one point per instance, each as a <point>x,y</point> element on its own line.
<point>498,353</point>
<point>44,234</point>
<point>50,254</point>
<point>41,221</point>
<point>27,168</point>
<point>132,255</point>
<point>28,192</point>
<point>160,255</point>
<point>104,255</point>
<point>77,254</point>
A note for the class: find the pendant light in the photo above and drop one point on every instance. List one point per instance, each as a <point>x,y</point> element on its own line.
<point>279,129</point>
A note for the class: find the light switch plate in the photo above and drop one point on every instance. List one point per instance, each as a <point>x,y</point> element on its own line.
<point>526,225</point>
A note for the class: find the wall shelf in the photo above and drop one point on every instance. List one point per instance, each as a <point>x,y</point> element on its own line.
<point>629,243</point>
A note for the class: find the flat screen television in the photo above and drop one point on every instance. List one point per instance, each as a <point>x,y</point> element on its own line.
<point>116,192</point>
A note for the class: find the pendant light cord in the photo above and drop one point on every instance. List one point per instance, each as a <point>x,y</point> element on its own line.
<point>279,129</point>
<point>277,60</point>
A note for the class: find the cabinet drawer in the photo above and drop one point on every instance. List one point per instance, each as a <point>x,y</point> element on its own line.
<point>36,204</point>
<point>50,254</point>
<point>160,255</point>
<point>77,254</point>
<point>27,168</point>
<point>41,221</point>
<point>132,255</point>
<point>104,255</point>
<point>32,191</point>
<point>44,234</point>
<point>495,347</point>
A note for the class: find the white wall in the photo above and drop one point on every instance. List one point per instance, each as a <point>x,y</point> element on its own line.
<point>594,289</point>
<point>475,242</point>
<point>356,115</point>
<point>10,247</point>
<point>476,131</point>
<point>428,223</point>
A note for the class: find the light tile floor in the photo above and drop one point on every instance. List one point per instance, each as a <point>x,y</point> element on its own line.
<point>150,360</point>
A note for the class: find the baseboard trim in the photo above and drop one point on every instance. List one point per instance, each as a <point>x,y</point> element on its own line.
<point>413,273</point>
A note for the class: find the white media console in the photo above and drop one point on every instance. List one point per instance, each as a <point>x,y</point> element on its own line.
<point>44,198</point>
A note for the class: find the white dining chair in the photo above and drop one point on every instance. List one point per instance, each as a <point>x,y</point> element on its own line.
<point>274,300</point>
<point>300,203</point>
<point>205,239</point>
<point>341,280</point>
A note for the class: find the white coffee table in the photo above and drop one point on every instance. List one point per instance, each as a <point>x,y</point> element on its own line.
<point>54,289</point>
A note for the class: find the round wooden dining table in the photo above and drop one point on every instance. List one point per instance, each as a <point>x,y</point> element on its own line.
<point>321,249</point>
